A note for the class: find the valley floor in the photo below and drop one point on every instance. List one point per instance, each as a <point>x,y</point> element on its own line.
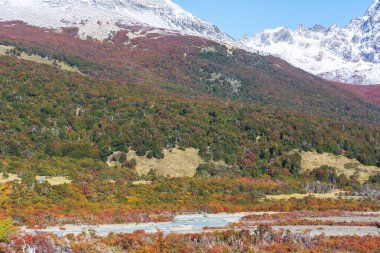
<point>238,232</point>
<point>344,224</point>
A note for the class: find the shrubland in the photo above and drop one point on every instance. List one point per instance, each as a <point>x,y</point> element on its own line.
<point>263,239</point>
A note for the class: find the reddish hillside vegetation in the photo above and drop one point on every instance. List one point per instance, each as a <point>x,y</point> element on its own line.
<point>370,93</point>
<point>191,66</point>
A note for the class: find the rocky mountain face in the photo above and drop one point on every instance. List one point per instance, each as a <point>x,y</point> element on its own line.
<point>350,54</point>
<point>100,19</point>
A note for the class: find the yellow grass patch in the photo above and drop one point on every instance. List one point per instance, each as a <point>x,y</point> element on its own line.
<point>4,49</point>
<point>12,177</point>
<point>39,59</point>
<point>329,195</point>
<point>176,163</point>
<point>50,180</point>
<point>55,180</point>
<point>342,164</point>
<point>141,182</point>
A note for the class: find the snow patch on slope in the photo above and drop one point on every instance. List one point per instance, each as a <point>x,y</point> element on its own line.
<point>101,18</point>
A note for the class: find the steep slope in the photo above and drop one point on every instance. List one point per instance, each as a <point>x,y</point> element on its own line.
<point>350,54</point>
<point>50,112</point>
<point>102,18</point>
<point>347,54</point>
<point>194,67</point>
<point>368,92</point>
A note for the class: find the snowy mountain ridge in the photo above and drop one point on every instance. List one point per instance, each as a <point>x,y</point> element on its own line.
<point>101,18</point>
<point>350,54</point>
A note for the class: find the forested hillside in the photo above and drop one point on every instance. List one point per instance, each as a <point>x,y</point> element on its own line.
<point>134,126</point>
<point>52,112</point>
<point>245,113</point>
<point>194,67</point>
<point>55,123</point>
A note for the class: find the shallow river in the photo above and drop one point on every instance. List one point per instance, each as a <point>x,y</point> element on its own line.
<point>181,224</point>
<point>197,223</point>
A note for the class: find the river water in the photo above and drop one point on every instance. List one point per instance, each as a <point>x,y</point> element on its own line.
<point>197,222</point>
<point>181,224</point>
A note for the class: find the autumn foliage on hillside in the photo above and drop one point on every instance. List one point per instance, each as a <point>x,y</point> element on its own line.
<point>189,66</point>
<point>368,92</point>
<point>55,123</point>
<point>51,112</point>
<point>245,113</point>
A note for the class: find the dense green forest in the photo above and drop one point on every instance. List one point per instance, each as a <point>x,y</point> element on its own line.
<point>47,112</point>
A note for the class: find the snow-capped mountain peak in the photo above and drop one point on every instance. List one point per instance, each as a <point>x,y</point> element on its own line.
<point>100,18</point>
<point>350,54</point>
<point>374,9</point>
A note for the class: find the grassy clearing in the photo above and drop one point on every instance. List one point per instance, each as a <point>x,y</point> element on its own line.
<point>55,180</point>
<point>342,164</point>
<point>38,59</point>
<point>50,180</point>
<point>10,178</point>
<point>5,49</point>
<point>329,195</point>
<point>176,163</point>
<point>141,182</point>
